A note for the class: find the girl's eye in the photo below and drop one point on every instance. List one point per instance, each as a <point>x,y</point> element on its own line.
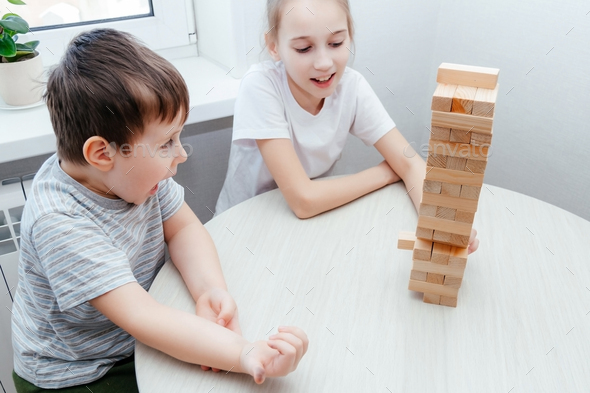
<point>303,50</point>
<point>337,44</point>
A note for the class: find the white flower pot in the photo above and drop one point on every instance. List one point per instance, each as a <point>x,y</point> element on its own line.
<point>21,83</point>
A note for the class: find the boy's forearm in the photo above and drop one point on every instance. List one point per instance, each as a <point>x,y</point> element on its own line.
<point>179,334</point>
<point>194,254</point>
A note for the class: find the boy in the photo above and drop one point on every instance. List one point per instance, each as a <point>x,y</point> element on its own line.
<point>94,228</point>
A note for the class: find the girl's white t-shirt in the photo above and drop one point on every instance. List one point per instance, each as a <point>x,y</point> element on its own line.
<point>266,109</point>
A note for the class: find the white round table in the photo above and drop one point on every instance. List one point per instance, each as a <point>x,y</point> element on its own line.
<point>522,323</point>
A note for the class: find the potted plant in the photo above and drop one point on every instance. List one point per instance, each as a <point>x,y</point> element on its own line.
<point>21,67</point>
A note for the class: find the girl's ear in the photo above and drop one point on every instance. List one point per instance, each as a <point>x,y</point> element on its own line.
<point>271,44</point>
<point>99,154</point>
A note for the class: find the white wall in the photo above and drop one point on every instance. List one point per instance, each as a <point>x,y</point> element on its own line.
<point>541,127</point>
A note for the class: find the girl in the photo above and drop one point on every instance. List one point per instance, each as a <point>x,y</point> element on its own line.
<point>293,115</point>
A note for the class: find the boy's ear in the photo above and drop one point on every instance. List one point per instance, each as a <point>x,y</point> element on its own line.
<point>99,153</point>
<point>272,47</point>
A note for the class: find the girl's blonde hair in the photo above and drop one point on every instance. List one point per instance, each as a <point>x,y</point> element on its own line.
<point>274,13</point>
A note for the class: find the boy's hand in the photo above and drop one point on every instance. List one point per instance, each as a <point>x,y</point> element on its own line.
<point>276,357</point>
<point>473,241</point>
<point>218,306</point>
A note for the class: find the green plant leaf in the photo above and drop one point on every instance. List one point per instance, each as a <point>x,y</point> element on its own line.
<point>17,2</point>
<point>23,48</point>
<point>15,23</point>
<point>7,46</point>
<point>31,44</point>
<point>10,14</point>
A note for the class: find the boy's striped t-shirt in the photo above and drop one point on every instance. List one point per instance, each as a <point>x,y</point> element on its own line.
<point>76,246</point>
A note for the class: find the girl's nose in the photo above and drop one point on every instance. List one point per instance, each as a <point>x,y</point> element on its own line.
<point>323,61</point>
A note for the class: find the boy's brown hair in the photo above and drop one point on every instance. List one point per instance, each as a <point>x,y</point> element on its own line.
<point>109,84</point>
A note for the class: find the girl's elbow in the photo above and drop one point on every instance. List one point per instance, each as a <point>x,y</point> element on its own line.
<point>302,205</point>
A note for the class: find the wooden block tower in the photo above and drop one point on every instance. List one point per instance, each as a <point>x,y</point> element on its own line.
<point>462,117</point>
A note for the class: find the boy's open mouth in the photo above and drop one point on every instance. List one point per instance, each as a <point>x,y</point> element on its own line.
<point>154,189</point>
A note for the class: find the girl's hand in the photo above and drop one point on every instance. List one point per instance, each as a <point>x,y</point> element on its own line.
<point>473,241</point>
<point>276,357</point>
<point>218,306</point>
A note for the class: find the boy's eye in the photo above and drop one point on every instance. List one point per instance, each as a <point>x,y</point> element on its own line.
<point>168,144</point>
<point>303,50</point>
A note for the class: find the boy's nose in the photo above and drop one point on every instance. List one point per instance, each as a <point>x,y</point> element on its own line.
<point>182,155</point>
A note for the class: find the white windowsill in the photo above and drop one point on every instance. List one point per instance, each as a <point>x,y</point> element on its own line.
<point>28,132</point>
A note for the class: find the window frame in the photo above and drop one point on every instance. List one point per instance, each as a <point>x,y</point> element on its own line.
<point>171,26</point>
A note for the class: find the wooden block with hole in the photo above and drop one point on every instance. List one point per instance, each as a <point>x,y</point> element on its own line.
<point>465,75</point>
<point>442,98</point>
<point>422,250</point>
<point>485,101</point>
<point>463,99</point>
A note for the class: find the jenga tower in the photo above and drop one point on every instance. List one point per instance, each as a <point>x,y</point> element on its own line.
<point>462,117</point>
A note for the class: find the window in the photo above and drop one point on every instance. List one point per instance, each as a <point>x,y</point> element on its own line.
<point>161,24</point>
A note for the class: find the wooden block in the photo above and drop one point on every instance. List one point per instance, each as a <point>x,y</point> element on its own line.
<point>422,250</point>
<point>453,190</point>
<point>406,240</point>
<point>461,150</point>
<point>463,216</point>
<point>458,257</point>
<point>480,139</point>
<point>437,161</point>
<point>436,289</point>
<point>448,301</point>
<point>456,163</point>
<point>435,278</point>
<point>460,136</point>
<point>442,237</point>
<point>443,97</point>
<point>463,99</point>
<point>438,224</point>
<point>427,210</point>
<point>454,177</point>
<point>446,213</point>
<point>418,276</point>
<point>440,254</point>
<point>424,233</point>
<point>454,282</point>
<point>485,101</point>
<point>432,186</point>
<point>437,270</point>
<point>459,240</point>
<point>470,192</point>
<point>440,133</point>
<point>475,166</point>
<point>482,125</point>
<point>431,299</point>
<point>465,75</point>
<point>467,205</point>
